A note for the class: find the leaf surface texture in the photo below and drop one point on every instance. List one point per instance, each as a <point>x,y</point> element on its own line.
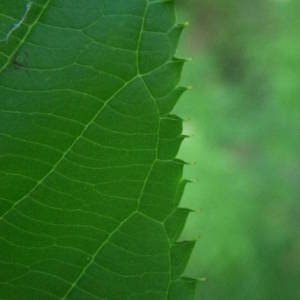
<point>90,186</point>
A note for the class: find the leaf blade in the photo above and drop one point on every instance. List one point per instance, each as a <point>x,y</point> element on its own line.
<point>94,184</point>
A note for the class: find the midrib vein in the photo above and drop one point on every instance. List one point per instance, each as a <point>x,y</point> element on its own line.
<point>65,153</point>
<point>26,35</point>
<point>102,245</point>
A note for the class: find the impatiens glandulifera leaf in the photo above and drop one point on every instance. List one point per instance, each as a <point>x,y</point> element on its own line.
<point>90,187</point>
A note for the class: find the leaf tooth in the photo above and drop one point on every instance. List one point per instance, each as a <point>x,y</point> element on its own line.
<point>186,209</point>
<point>182,59</point>
<point>183,25</point>
<point>192,279</point>
<point>181,161</point>
<point>186,136</point>
<point>187,243</point>
<point>180,255</point>
<point>167,103</point>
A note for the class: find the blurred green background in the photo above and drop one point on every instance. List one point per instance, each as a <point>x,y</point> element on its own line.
<point>243,116</point>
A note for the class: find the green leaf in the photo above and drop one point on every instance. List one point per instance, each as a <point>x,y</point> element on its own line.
<point>90,186</point>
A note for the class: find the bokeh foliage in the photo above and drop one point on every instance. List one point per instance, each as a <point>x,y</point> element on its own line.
<point>244,117</point>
